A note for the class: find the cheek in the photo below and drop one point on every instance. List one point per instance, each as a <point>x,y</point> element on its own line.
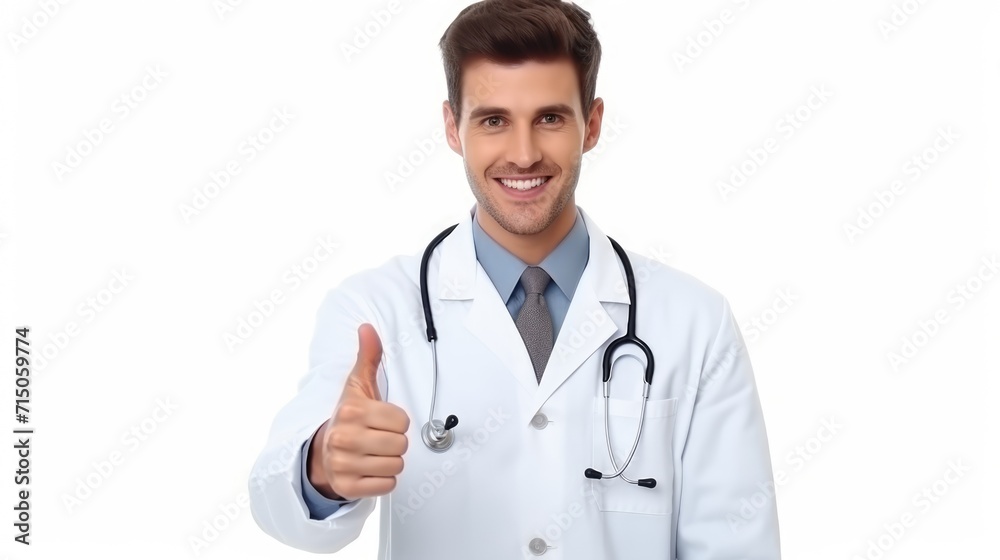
<point>562,148</point>
<point>481,158</point>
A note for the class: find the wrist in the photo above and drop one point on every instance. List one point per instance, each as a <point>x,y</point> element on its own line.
<point>314,465</point>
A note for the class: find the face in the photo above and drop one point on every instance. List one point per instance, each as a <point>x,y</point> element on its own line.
<point>522,124</point>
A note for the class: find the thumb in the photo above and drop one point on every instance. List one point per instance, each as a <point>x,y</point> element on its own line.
<point>363,378</point>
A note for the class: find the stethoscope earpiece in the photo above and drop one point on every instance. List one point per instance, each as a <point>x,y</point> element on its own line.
<point>597,475</point>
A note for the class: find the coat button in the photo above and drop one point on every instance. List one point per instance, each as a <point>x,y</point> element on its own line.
<point>539,421</point>
<point>537,546</point>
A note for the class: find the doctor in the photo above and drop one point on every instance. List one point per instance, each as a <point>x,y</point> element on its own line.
<point>526,295</point>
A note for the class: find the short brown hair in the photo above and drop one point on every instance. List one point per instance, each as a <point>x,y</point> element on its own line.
<point>513,31</point>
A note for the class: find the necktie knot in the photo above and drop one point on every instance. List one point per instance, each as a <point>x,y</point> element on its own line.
<point>535,279</point>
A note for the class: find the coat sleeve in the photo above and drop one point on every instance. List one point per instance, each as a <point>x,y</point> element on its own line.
<point>727,506</point>
<point>275,485</point>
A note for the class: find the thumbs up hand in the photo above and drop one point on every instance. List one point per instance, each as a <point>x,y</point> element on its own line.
<point>358,452</point>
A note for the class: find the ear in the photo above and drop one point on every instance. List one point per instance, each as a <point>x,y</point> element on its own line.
<point>593,132</point>
<point>451,129</point>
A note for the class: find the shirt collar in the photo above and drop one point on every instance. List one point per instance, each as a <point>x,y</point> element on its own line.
<point>565,264</point>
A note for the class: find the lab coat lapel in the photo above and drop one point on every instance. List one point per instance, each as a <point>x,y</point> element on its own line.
<point>461,277</point>
<point>587,325</point>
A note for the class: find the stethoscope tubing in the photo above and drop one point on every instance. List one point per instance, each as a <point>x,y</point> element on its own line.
<point>438,436</point>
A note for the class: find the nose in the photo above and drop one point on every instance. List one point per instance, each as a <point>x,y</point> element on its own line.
<point>523,149</point>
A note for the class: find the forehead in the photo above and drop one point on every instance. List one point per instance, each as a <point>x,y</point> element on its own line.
<point>519,86</point>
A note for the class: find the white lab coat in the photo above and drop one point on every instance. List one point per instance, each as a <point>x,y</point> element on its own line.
<point>508,480</point>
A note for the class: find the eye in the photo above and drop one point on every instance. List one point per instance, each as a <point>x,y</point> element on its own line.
<point>488,120</point>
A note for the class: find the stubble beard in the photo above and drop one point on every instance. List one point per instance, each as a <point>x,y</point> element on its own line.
<point>550,203</point>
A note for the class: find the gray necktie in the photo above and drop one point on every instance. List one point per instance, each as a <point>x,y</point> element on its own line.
<point>534,321</point>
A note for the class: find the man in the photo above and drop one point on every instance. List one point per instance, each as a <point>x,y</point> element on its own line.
<point>527,293</point>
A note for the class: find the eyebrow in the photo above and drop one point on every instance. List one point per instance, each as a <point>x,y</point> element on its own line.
<point>558,108</point>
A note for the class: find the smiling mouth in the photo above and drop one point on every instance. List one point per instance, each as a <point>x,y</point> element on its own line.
<point>525,185</point>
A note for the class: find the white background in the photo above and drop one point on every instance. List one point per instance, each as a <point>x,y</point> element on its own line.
<point>652,184</point>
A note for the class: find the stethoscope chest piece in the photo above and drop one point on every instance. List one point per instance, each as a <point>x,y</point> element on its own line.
<point>432,441</point>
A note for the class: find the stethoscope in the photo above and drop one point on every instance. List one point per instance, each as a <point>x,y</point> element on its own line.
<point>439,437</point>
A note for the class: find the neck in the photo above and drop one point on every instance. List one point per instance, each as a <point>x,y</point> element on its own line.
<point>531,248</point>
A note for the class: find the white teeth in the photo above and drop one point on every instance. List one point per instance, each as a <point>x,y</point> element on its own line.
<point>523,185</point>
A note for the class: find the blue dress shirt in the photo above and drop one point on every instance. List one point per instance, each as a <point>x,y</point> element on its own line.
<point>565,265</point>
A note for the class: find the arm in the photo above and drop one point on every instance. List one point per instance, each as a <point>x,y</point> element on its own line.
<point>276,484</point>
<point>727,506</point>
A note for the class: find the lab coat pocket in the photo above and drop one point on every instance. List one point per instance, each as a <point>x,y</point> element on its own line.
<point>653,456</point>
